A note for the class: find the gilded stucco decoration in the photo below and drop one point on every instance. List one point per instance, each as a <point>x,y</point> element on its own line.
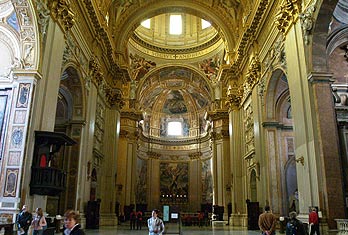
<point>43,17</point>
<point>95,72</point>
<point>249,33</point>
<point>61,12</point>
<point>307,20</point>
<point>253,74</point>
<point>28,38</point>
<point>287,14</point>
<point>234,96</point>
<point>114,97</point>
<point>99,126</point>
<point>248,123</point>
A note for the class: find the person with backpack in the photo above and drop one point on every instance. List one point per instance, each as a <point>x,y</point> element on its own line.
<point>294,226</point>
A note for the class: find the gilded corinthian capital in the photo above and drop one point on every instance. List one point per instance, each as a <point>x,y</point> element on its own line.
<point>254,70</point>
<point>287,14</point>
<point>234,97</point>
<point>114,97</point>
<point>62,13</point>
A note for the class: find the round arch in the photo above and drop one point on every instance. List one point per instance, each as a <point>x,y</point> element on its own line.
<point>130,23</point>
<point>194,70</point>
<point>29,43</point>
<point>320,35</point>
<point>72,81</point>
<point>276,81</point>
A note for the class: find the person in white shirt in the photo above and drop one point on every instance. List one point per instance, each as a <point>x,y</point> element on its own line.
<point>155,224</point>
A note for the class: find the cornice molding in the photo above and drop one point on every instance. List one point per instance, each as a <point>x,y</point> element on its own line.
<point>102,34</point>
<point>149,46</point>
<point>218,115</point>
<point>288,13</point>
<point>135,116</point>
<point>248,34</point>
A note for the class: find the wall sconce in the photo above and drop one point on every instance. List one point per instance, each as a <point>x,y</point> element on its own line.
<point>300,160</point>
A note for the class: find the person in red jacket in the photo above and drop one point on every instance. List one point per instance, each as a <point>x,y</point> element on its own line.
<point>314,222</point>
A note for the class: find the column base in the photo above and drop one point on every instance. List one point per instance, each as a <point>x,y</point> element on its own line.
<point>239,220</point>
<point>108,219</point>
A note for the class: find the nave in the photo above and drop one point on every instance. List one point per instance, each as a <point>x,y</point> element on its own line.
<point>124,230</point>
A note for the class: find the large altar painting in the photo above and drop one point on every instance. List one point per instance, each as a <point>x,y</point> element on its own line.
<point>174,182</point>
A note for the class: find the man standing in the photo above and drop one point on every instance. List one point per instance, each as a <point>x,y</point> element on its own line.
<point>314,222</point>
<point>23,221</point>
<point>267,222</point>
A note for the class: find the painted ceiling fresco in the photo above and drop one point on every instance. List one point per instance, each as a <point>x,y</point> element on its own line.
<point>175,103</point>
<point>175,91</point>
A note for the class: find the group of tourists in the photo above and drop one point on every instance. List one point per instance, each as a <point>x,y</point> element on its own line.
<point>38,224</point>
<point>267,223</point>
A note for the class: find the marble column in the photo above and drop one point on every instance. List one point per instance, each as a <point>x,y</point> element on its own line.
<point>108,174</point>
<point>238,217</point>
<point>319,180</point>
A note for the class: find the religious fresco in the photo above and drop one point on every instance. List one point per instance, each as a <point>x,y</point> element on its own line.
<point>140,66</point>
<point>207,182</point>
<point>210,67</point>
<point>152,96</point>
<point>200,100</point>
<point>176,72</point>
<point>174,182</point>
<point>11,183</point>
<point>140,192</point>
<point>175,103</point>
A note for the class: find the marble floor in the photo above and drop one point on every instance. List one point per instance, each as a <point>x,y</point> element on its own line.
<point>173,229</point>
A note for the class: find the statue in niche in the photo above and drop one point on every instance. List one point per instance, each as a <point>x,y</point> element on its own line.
<point>217,89</point>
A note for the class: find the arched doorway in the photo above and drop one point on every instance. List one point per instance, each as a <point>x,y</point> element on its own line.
<point>69,120</point>
<point>280,141</point>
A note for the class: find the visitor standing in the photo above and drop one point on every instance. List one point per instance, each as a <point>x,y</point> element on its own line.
<point>155,224</point>
<point>267,222</point>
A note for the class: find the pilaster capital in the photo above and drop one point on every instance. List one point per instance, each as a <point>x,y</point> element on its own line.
<point>21,74</point>
<point>234,97</point>
<point>95,72</point>
<point>114,98</point>
<point>288,13</point>
<point>321,77</point>
<point>61,12</point>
